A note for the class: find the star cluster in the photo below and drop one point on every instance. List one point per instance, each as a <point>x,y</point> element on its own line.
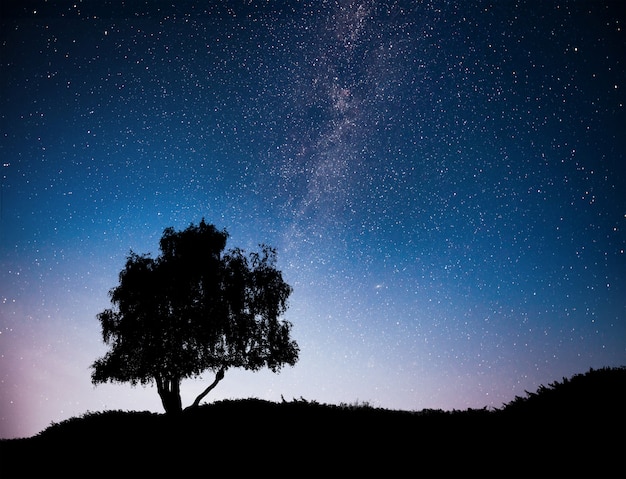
<point>443,181</point>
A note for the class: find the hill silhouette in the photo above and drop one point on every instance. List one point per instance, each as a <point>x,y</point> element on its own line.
<point>572,428</point>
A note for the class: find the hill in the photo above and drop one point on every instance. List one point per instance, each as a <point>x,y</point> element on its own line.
<point>573,428</point>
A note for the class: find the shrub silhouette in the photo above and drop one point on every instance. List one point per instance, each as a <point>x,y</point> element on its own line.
<point>600,388</point>
<point>572,428</point>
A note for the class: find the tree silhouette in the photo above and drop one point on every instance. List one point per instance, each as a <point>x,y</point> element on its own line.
<point>194,308</point>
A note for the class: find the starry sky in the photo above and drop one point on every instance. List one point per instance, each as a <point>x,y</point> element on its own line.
<point>444,183</point>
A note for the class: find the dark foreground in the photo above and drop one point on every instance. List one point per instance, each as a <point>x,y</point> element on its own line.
<point>574,428</point>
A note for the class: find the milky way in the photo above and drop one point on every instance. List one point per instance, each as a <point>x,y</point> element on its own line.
<point>443,182</point>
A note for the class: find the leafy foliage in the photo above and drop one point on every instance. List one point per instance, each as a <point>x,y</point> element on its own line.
<point>194,308</point>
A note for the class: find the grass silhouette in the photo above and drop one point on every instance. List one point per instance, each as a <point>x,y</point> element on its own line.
<point>573,428</point>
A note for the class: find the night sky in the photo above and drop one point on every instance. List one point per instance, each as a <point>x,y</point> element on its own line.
<point>444,183</point>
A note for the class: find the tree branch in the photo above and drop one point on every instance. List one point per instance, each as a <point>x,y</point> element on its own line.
<point>218,377</point>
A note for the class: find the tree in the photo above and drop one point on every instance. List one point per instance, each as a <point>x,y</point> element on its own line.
<point>194,308</point>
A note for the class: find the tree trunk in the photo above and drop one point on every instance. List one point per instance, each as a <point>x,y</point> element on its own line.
<point>169,391</point>
<point>218,377</point>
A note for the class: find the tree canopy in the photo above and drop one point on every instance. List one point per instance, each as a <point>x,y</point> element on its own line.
<point>195,308</point>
